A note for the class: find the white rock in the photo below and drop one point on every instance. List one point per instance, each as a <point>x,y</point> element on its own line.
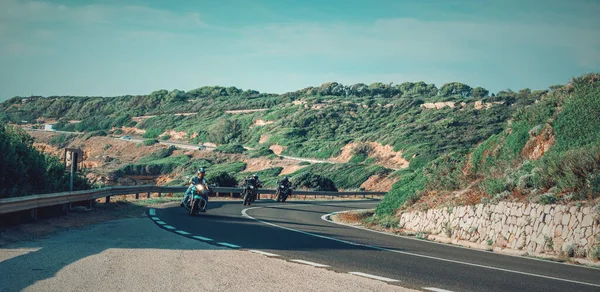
<point>565,219</point>
<point>587,220</point>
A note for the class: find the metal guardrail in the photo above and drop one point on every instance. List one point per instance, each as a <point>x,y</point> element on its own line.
<point>10,205</point>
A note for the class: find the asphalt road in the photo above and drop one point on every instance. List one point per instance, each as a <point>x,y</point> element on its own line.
<point>296,231</point>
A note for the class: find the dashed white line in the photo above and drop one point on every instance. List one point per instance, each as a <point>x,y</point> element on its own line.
<point>310,263</point>
<point>263,253</point>
<point>155,218</point>
<point>169,227</point>
<point>202,238</point>
<point>228,244</point>
<point>436,289</point>
<point>152,212</point>
<point>161,222</point>
<point>182,232</point>
<point>373,277</point>
<point>245,214</point>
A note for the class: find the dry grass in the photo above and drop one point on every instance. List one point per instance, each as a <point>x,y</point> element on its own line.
<point>353,216</point>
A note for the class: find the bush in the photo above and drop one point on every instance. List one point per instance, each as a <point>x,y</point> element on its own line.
<point>313,182</point>
<point>27,171</point>
<point>304,163</point>
<point>88,135</point>
<point>152,133</point>
<point>160,154</point>
<point>231,149</point>
<point>406,189</point>
<point>222,179</point>
<point>118,132</point>
<point>61,140</point>
<point>165,137</point>
<point>150,142</point>
<point>494,186</point>
<point>155,167</point>
<point>262,151</point>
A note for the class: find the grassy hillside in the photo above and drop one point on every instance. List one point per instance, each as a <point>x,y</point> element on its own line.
<point>549,152</point>
<point>454,138</point>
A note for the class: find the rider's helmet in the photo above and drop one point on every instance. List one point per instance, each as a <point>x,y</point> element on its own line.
<point>201,170</point>
<point>255,176</point>
<point>285,178</point>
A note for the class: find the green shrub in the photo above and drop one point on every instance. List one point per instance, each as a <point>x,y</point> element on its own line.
<point>152,133</point>
<point>494,186</point>
<point>150,142</point>
<point>304,163</point>
<point>61,140</point>
<point>261,151</point>
<point>107,146</point>
<point>99,133</point>
<point>577,123</point>
<point>159,154</point>
<point>118,132</point>
<point>406,189</point>
<point>389,221</point>
<point>222,179</point>
<point>231,148</point>
<point>313,182</point>
<point>165,137</point>
<point>155,167</point>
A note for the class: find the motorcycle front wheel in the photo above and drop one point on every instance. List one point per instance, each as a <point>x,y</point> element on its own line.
<point>194,207</point>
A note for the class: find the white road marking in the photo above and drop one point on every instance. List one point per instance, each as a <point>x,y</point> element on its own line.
<point>152,212</point>
<point>310,263</point>
<point>373,277</point>
<point>202,238</point>
<point>155,218</point>
<point>169,227</point>
<point>182,232</point>
<point>228,244</point>
<point>245,214</point>
<point>263,253</point>
<point>436,289</point>
<point>161,222</point>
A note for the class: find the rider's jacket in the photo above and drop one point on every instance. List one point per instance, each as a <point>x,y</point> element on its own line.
<point>286,183</point>
<point>256,183</point>
<point>196,180</point>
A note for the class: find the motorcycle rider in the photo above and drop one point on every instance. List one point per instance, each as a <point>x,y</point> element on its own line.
<point>286,183</point>
<point>198,179</point>
<point>253,180</point>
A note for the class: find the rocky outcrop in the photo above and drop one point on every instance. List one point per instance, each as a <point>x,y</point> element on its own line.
<point>531,228</point>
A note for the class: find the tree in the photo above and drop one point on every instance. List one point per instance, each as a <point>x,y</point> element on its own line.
<point>479,92</point>
<point>455,88</point>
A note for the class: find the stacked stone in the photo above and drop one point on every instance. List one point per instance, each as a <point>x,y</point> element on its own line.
<point>533,228</point>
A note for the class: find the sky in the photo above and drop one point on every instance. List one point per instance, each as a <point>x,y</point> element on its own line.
<point>120,47</point>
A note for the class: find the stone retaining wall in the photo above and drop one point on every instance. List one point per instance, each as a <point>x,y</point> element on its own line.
<point>531,228</point>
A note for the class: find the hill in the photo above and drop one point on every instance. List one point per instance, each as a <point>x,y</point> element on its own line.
<point>430,140</point>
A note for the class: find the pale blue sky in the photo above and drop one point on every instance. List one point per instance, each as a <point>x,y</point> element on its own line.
<point>114,47</point>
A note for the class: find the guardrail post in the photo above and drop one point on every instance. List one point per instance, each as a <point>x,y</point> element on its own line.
<point>148,195</point>
<point>34,214</point>
<point>137,196</point>
<point>107,200</point>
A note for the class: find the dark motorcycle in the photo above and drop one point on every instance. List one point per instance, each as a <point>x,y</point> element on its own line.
<point>250,194</point>
<point>282,193</point>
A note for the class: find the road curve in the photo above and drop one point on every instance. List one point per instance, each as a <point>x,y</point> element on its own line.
<point>296,231</point>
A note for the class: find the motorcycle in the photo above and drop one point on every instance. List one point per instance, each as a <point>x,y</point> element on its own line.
<point>250,194</point>
<point>282,193</point>
<point>197,203</point>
